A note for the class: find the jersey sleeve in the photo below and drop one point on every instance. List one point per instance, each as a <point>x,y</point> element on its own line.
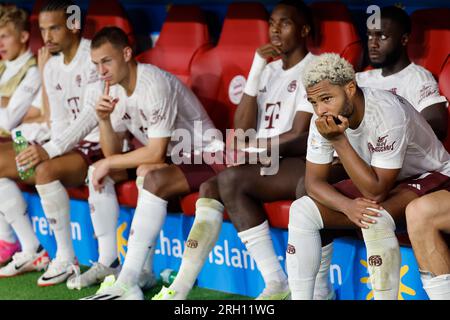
<point>389,150</point>
<point>65,140</point>
<point>21,100</point>
<point>301,100</point>
<point>426,93</point>
<point>320,150</point>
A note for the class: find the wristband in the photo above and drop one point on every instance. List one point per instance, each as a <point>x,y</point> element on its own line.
<point>258,65</point>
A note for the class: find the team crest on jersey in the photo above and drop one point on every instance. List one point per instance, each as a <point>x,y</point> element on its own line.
<point>292,86</point>
<point>382,145</point>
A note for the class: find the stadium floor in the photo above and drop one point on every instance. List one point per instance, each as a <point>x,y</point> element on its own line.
<point>25,287</point>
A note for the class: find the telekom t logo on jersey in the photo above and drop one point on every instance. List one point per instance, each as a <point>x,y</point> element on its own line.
<point>272,114</point>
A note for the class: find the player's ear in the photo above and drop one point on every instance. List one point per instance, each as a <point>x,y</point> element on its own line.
<point>350,88</point>
<point>306,29</point>
<point>127,54</point>
<point>24,37</point>
<point>405,39</point>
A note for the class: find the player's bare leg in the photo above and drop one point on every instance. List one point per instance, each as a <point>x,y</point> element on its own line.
<point>428,220</point>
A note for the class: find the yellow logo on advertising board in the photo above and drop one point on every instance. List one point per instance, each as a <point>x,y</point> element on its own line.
<point>403,289</point>
<point>122,242</point>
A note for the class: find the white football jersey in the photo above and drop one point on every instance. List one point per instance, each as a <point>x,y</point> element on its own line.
<point>20,102</point>
<point>65,85</point>
<point>392,135</point>
<point>414,83</point>
<point>160,106</point>
<point>281,94</point>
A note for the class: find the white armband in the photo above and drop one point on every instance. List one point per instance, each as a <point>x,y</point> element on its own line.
<point>251,87</point>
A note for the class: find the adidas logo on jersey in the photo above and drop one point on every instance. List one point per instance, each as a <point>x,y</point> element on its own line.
<point>58,87</point>
<point>415,186</point>
<point>263,90</point>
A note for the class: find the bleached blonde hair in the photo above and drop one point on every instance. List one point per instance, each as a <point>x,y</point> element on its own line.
<point>331,67</point>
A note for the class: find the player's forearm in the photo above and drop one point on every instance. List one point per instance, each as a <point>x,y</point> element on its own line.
<point>289,144</point>
<point>362,174</point>
<point>246,114</point>
<point>135,158</point>
<point>109,140</point>
<point>327,195</point>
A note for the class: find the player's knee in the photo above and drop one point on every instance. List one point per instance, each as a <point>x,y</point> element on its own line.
<point>44,173</point>
<point>418,216</point>
<point>209,189</point>
<point>142,171</point>
<point>304,215</point>
<point>383,228</point>
<point>231,181</point>
<point>155,182</point>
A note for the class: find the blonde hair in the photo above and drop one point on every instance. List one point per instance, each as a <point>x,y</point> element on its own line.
<point>15,15</point>
<point>331,67</point>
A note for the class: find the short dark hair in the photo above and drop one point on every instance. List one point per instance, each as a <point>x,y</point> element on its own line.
<point>399,16</point>
<point>114,35</point>
<point>57,5</point>
<point>303,10</point>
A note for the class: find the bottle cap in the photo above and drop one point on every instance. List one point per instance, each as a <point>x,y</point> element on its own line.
<point>18,133</point>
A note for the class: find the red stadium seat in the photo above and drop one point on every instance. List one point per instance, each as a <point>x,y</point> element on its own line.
<point>35,33</point>
<point>335,32</point>
<point>104,13</point>
<point>218,75</point>
<point>127,193</point>
<point>429,44</point>
<point>444,85</point>
<point>183,35</point>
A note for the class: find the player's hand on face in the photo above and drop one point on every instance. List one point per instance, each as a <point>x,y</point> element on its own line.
<point>358,211</point>
<point>43,56</point>
<point>269,51</point>
<point>105,106</point>
<point>32,156</point>
<point>328,128</point>
<point>100,172</point>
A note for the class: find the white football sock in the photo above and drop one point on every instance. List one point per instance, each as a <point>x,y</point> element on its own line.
<point>55,202</point>
<point>14,208</point>
<point>202,238</point>
<point>6,232</point>
<point>383,256</point>
<point>104,208</point>
<point>260,246</point>
<point>148,220</point>
<point>304,248</point>
<point>437,288</point>
<point>323,288</point>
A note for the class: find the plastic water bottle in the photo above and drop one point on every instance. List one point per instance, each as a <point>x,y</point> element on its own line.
<point>20,144</point>
<point>168,276</point>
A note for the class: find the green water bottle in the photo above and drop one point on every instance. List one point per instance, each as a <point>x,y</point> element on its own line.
<point>20,144</point>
